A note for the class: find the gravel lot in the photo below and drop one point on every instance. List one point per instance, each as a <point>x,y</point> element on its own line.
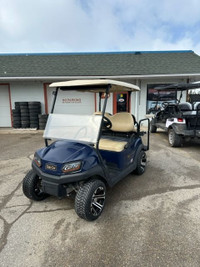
<point>148,220</point>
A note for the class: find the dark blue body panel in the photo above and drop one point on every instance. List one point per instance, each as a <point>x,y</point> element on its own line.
<point>109,165</point>
<point>61,152</point>
<point>124,158</point>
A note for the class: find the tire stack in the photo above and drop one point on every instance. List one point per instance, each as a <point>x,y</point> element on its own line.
<point>34,111</point>
<point>42,121</point>
<point>24,110</point>
<point>16,116</point>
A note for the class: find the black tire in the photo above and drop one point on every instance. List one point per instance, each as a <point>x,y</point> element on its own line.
<point>32,121</point>
<point>153,128</point>
<point>32,187</point>
<point>25,125</point>
<point>17,121</point>
<point>34,103</point>
<point>22,103</point>
<point>34,126</point>
<point>174,139</point>
<point>141,163</point>
<point>33,113</point>
<point>25,117</point>
<point>17,104</point>
<point>18,116</point>
<point>15,112</point>
<point>42,121</point>
<point>33,116</point>
<point>87,206</point>
<point>24,110</point>
<point>42,126</point>
<point>16,126</point>
<point>43,116</point>
<point>23,107</point>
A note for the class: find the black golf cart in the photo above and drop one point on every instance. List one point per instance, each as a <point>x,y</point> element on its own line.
<point>86,153</point>
<point>180,120</point>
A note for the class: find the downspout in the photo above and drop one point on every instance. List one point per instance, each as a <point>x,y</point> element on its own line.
<point>137,100</point>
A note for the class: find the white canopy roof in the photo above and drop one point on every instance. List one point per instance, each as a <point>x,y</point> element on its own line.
<point>96,85</point>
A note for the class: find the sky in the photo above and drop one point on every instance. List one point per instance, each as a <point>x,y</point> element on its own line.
<point>43,26</point>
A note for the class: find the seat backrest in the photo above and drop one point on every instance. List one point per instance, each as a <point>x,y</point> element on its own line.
<point>197,106</point>
<point>122,122</point>
<point>185,106</point>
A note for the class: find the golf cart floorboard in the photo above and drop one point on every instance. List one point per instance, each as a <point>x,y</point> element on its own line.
<point>116,174</point>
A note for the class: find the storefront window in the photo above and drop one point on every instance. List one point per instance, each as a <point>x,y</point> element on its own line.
<point>155,98</point>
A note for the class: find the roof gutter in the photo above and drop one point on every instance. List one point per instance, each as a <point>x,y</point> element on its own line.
<point>148,76</point>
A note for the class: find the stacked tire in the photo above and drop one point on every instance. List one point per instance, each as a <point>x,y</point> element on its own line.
<point>24,110</point>
<point>34,111</point>
<point>16,116</point>
<point>28,115</point>
<point>42,121</point>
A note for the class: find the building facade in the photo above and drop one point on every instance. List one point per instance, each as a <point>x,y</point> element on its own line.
<point>26,77</point>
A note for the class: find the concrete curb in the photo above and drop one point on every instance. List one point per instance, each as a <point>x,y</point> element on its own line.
<point>20,131</point>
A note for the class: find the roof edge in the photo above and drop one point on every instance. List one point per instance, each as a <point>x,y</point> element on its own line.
<point>53,78</point>
<point>95,53</point>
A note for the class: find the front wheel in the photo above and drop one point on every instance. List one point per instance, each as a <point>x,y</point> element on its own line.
<point>90,200</point>
<point>174,139</point>
<point>32,187</point>
<point>141,163</point>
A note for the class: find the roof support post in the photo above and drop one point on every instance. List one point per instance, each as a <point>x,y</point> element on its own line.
<point>100,131</point>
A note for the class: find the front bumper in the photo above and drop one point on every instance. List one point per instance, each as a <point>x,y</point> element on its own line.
<point>57,185</point>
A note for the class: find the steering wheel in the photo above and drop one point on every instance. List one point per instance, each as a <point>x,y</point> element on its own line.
<point>107,123</point>
<point>165,104</point>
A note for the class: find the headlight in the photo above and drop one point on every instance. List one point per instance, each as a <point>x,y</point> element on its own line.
<point>37,160</point>
<point>71,167</point>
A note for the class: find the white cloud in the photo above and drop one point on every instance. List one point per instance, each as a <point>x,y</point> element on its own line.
<point>99,25</point>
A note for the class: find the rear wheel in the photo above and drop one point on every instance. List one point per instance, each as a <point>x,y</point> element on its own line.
<point>153,128</point>
<point>90,200</point>
<point>32,186</point>
<point>174,139</point>
<point>141,163</point>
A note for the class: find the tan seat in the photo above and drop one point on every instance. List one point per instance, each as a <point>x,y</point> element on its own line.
<point>111,145</point>
<point>122,122</point>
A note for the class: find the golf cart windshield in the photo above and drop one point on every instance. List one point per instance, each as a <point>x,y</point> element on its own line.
<point>83,128</point>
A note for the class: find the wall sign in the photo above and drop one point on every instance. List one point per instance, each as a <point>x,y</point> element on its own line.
<point>71,100</point>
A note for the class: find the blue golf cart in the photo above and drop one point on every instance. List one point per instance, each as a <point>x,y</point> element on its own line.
<point>84,154</point>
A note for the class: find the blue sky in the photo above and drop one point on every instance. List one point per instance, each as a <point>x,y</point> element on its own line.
<point>99,25</point>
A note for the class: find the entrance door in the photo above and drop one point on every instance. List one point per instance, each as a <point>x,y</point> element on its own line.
<point>121,102</point>
<point>5,115</point>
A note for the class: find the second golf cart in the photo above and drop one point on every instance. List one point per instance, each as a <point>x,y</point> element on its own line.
<point>181,120</point>
<point>86,153</point>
